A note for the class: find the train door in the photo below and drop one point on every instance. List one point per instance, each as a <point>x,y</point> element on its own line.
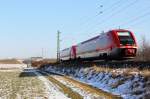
<point>73,52</point>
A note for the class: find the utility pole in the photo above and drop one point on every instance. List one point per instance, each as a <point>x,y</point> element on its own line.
<point>58,46</point>
<point>42,53</point>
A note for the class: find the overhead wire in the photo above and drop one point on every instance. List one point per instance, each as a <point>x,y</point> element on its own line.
<point>110,8</point>
<point>113,14</point>
<point>118,12</point>
<point>136,18</point>
<point>101,11</point>
<point>100,22</point>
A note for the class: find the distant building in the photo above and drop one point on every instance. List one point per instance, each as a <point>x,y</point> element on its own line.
<point>36,58</point>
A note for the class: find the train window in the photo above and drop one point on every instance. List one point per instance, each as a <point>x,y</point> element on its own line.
<point>123,34</point>
<point>125,38</point>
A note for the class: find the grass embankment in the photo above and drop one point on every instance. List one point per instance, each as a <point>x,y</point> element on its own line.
<point>104,67</point>
<point>66,90</point>
<point>125,71</point>
<point>92,89</point>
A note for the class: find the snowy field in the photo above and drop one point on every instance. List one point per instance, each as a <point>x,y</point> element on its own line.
<point>12,66</point>
<point>27,84</point>
<point>15,85</point>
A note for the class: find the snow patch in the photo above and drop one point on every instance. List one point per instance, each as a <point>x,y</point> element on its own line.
<point>85,94</point>
<point>52,91</point>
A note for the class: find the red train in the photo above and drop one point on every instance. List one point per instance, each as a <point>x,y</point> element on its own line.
<point>115,44</point>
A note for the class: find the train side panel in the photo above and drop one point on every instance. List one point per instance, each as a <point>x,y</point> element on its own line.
<point>105,45</point>
<point>65,54</point>
<point>97,47</point>
<point>87,48</point>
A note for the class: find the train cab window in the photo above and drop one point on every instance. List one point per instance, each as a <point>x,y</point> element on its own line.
<point>125,38</point>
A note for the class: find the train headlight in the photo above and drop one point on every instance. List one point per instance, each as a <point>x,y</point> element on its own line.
<point>130,51</point>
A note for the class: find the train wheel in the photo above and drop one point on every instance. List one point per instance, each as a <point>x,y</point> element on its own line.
<point>105,56</point>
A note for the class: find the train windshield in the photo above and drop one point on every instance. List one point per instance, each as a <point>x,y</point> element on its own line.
<point>125,38</point>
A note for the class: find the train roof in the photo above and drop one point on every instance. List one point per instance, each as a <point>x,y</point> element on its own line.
<point>90,39</point>
<point>93,38</point>
<point>65,49</point>
<point>102,34</point>
<point>125,30</point>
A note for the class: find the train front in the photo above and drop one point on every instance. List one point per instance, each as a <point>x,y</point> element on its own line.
<point>126,46</point>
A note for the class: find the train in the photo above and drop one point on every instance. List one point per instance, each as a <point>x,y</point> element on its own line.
<point>116,44</point>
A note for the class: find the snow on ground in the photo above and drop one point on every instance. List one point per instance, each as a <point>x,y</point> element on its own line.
<point>52,90</point>
<point>17,85</point>
<point>85,94</point>
<point>27,84</point>
<point>133,86</point>
<point>13,66</point>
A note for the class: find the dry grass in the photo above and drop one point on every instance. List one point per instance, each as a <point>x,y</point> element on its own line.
<point>66,90</point>
<point>9,61</point>
<point>124,71</point>
<point>115,85</point>
<point>146,72</point>
<point>101,69</point>
<point>92,90</point>
<point>43,62</point>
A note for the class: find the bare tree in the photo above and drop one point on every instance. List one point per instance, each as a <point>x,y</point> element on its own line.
<point>144,50</point>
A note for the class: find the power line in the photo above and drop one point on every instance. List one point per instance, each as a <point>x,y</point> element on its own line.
<point>136,18</point>
<point>111,8</point>
<point>112,11</point>
<point>117,12</point>
<point>133,20</point>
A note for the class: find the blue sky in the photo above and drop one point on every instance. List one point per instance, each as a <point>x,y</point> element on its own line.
<point>28,26</point>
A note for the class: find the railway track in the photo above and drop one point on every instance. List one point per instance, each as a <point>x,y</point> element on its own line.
<point>124,64</point>
<point>109,64</point>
